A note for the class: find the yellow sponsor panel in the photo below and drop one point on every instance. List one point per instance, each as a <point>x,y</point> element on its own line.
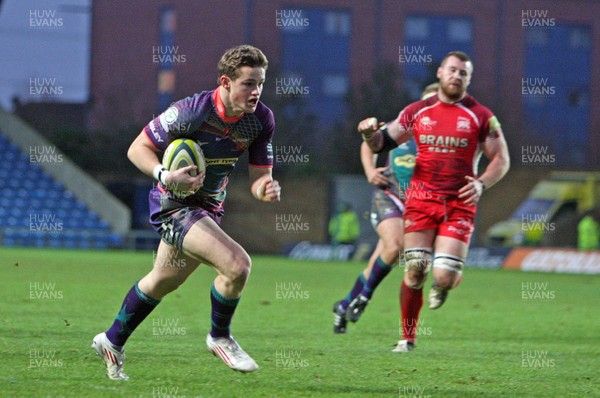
<point>222,161</point>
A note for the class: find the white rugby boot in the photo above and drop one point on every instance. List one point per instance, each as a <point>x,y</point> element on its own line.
<point>437,297</point>
<point>231,353</point>
<point>113,358</point>
<point>404,346</point>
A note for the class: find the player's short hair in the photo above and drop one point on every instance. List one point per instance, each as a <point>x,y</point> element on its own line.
<point>236,57</point>
<point>430,90</point>
<point>458,54</point>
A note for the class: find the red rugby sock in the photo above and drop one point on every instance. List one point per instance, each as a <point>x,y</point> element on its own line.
<point>411,301</point>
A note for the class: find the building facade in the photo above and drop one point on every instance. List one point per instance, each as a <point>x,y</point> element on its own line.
<point>533,61</point>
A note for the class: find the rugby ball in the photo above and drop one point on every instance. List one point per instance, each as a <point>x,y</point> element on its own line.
<point>181,153</point>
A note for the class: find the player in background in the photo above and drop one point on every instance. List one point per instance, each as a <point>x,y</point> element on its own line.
<point>390,174</point>
<point>226,122</point>
<point>451,130</point>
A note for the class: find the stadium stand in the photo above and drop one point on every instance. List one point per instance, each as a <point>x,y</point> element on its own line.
<point>47,201</point>
<point>36,210</point>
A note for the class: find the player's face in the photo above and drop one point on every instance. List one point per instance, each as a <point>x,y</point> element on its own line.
<point>454,76</point>
<point>244,92</point>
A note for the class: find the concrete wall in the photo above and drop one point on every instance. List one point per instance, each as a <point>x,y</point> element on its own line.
<point>266,228</point>
<point>269,227</point>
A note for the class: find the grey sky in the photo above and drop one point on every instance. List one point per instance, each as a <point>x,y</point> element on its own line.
<point>44,50</point>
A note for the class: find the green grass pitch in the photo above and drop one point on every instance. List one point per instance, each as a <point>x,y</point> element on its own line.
<point>500,334</point>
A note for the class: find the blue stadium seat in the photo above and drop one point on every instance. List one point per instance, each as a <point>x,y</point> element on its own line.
<point>12,221</point>
<point>32,192</point>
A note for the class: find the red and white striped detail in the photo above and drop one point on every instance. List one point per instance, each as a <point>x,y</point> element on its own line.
<point>222,354</point>
<point>111,356</point>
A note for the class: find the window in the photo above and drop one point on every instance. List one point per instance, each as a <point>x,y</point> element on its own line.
<point>335,85</point>
<point>577,97</point>
<point>337,23</point>
<point>416,28</point>
<point>579,38</point>
<point>537,37</point>
<point>459,31</point>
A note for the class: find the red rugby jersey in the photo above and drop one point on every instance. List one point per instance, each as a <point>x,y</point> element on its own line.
<point>449,138</point>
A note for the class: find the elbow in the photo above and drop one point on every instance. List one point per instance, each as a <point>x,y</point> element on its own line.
<point>506,162</point>
<point>130,152</point>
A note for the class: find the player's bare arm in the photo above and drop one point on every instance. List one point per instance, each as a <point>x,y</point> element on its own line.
<point>143,155</point>
<point>374,174</point>
<point>382,136</point>
<point>263,186</point>
<point>496,150</point>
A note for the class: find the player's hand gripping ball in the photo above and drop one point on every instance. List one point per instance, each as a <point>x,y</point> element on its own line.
<point>181,153</point>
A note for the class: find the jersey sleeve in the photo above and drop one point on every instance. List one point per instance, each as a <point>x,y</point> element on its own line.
<point>180,120</point>
<point>260,152</point>
<point>490,128</point>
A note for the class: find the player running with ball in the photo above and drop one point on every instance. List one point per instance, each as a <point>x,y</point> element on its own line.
<point>225,122</point>
<point>451,130</point>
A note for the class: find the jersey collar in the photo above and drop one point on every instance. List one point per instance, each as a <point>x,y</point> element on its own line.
<point>220,107</point>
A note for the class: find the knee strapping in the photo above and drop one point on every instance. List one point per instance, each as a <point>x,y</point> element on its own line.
<point>451,263</point>
<point>417,260</point>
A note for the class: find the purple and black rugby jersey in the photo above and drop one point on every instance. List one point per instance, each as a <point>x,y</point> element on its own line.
<point>222,139</point>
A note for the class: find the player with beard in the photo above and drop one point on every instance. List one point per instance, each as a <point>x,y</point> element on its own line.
<point>226,122</point>
<point>452,130</point>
